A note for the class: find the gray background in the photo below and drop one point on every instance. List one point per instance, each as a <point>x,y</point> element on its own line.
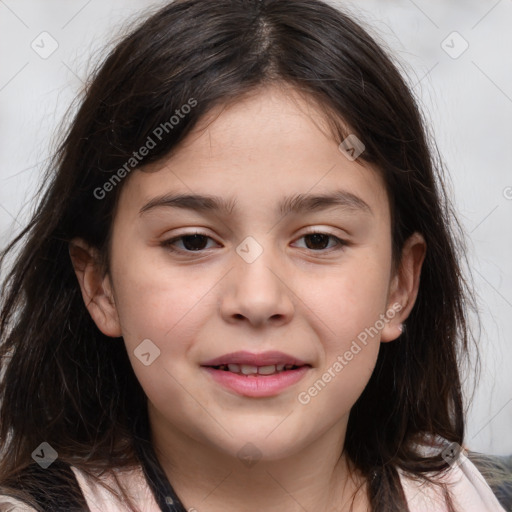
<point>467,97</point>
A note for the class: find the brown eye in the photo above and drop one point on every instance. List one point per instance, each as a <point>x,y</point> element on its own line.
<point>320,241</point>
<point>317,241</point>
<point>195,242</point>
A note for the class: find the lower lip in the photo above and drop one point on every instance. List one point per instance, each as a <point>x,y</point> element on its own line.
<point>260,386</point>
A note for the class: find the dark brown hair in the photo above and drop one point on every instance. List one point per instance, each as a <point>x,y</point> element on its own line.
<point>66,383</point>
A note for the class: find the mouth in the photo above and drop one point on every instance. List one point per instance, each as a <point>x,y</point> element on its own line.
<point>256,375</point>
<point>248,370</point>
<point>249,362</point>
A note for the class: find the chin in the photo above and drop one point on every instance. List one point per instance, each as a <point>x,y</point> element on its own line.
<point>256,444</point>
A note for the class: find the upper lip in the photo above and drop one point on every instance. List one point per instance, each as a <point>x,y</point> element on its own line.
<point>262,359</point>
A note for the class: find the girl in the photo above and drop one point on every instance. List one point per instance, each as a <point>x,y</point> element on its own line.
<point>208,310</point>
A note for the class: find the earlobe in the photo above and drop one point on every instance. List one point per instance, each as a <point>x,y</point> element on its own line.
<point>96,289</point>
<point>404,286</point>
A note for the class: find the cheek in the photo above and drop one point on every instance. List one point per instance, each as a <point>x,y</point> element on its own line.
<point>350,299</point>
<point>166,306</point>
<point>349,355</point>
<point>154,299</point>
<point>167,310</point>
<point>349,305</point>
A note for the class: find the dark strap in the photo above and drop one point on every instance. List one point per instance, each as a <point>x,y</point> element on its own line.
<point>164,494</point>
<point>54,489</point>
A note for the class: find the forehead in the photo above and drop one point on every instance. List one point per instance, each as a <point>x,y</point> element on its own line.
<point>261,148</point>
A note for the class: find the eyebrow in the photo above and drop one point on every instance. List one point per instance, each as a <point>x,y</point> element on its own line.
<point>298,203</point>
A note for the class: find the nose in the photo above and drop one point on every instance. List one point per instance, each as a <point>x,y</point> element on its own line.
<point>258,293</point>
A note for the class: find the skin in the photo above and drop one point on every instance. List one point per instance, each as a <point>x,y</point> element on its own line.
<point>310,301</point>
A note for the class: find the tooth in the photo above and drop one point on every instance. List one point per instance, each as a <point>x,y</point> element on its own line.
<point>267,370</point>
<point>279,367</point>
<point>234,368</point>
<point>288,367</point>
<point>247,369</point>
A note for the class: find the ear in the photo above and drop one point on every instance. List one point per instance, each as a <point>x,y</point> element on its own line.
<point>404,286</point>
<point>96,289</point>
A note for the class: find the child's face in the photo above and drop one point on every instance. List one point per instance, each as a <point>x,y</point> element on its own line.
<point>305,297</point>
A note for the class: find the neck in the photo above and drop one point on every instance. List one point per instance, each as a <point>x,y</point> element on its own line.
<point>314,477</point>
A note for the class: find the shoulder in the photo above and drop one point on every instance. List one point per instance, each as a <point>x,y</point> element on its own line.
<point>497,471</point>
<point>34,488</point>
<point>468,489</point>
<point>106,498</point>
<point>9,504</point>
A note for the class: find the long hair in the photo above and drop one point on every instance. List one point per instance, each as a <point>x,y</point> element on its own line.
<point>66,383</point>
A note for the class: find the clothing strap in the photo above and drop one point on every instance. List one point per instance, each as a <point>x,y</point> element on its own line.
<point>162,490</point>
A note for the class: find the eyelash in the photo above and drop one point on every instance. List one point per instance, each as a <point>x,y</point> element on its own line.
<point>168,243</point>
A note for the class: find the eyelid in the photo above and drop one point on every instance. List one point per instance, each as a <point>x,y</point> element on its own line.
<point>320,230</point>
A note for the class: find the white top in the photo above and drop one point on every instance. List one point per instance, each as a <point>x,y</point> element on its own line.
<point>470,493</point>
